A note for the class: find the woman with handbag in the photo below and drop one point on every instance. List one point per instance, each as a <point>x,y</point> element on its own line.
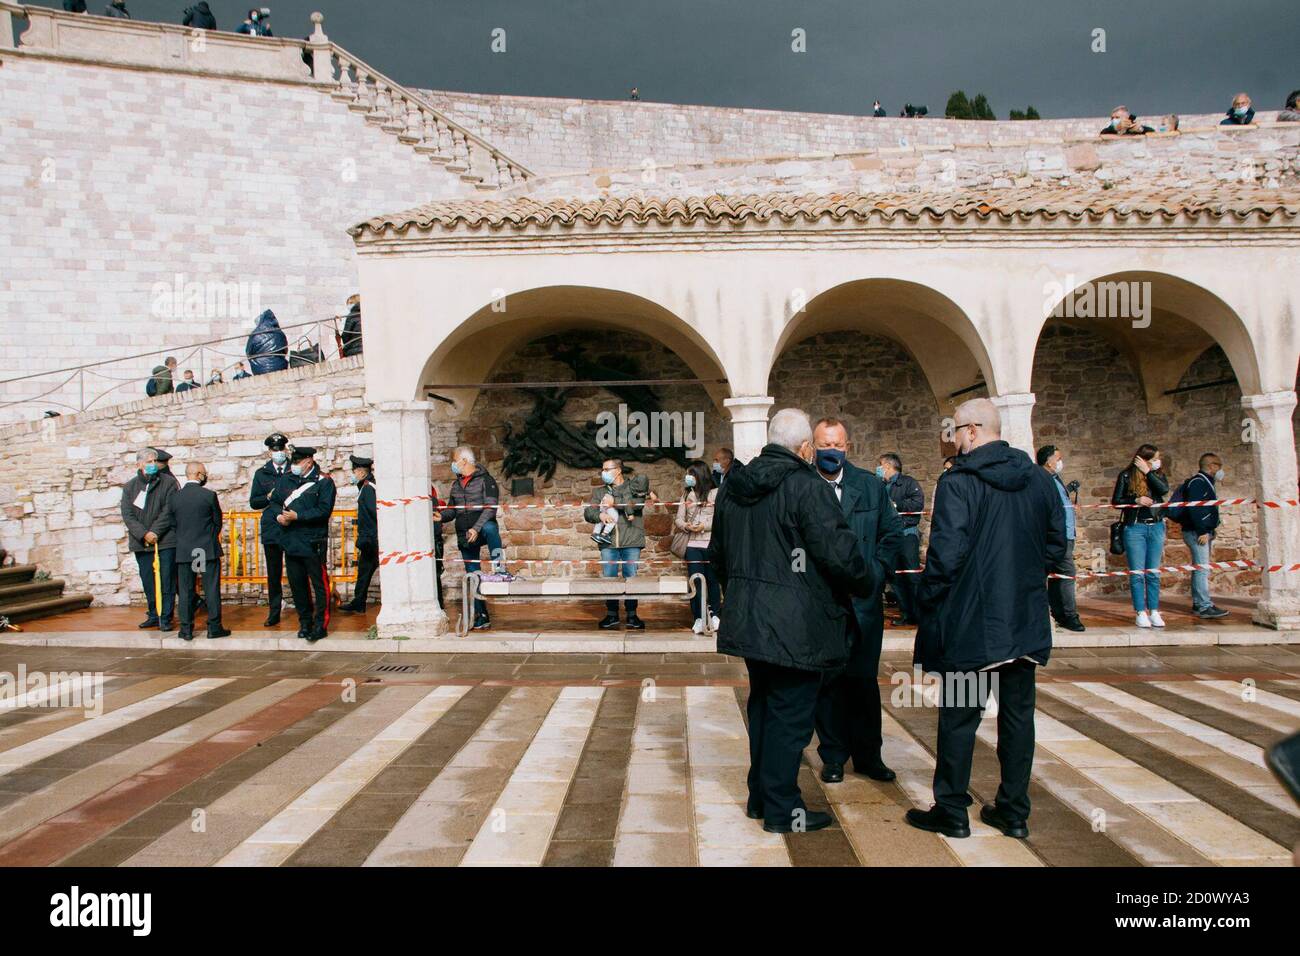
<point>693,529</point>
<point>1143,484</point>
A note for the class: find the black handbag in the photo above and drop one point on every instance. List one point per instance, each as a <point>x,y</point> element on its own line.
<point>1117,537</point>
<point>308,355</point>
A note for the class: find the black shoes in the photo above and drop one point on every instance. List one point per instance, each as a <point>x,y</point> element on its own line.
<point>634,623</point>
<point>936,820</point>
<point>1072,624</point>
<point>812,820</point>
<point>610,620</point>
<point>272,619</point>
<point>148,623</point>
<point>995,818</point>
<point>166,626</point>
<point>754,813</point>
<point>481,623</point>
<point>901,621</point>
<point>215,632</point>
<point>316,635</point>
<point>875,770</point>
<point>1211,613</point>
<point>832,773</point>
<point>351,608</point>
<point>304,631</point>
<point>185,634</point>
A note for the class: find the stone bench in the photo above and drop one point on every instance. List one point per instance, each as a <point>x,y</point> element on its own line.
<point>641,588</point>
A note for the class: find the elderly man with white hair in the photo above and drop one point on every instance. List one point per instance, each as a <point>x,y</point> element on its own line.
<point>150,535</point>
<point>790,567</point>
<point>998,529</point>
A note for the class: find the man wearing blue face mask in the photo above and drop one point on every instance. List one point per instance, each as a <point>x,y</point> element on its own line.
<point>264,481</point>
<point>620,502</point>
<point>909,499</point>
<point>1241,112</point>
<point>848,704</point>
<point>306,502</point>
<point>145,499</point>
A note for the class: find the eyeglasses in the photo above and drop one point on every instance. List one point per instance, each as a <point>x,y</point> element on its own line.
<point>970,425</point>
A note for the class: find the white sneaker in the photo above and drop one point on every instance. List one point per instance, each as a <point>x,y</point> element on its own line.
<point>1143,619</point>
<point>714,622</point>
<point>1157,620</point>
<point>698,626</point>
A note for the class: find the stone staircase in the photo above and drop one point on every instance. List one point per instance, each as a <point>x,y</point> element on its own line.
<point>24,597</point>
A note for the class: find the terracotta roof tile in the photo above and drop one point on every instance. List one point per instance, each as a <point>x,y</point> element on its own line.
<point>1004,205</point>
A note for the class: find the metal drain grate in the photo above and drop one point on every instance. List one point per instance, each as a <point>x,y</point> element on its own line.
<point>392,668</point>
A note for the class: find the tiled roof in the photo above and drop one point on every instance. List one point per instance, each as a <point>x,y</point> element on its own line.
<point>1004,205</point>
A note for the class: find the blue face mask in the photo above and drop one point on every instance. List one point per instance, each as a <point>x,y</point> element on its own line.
<point>1241,110</point>
<point>717,468</point>
<point>607,477</point>
<point>880,472</point>
<point>455,468</point>
<point>690,481</point>
<point>830,460</point>
<point>296,469</point>
<point>279,457</point>
<point>151,469</point>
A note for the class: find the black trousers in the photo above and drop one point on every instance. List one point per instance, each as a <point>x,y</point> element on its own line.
<point>211,576</point>
<point>1060,591</point>
<point>909,557</point>
<point>780,709</point>
<point>167,572</point>
<point>308,577</point>
<point>274,574</point>
<point>848,707</point>
<point>367,564</point>
<point>959,718</point>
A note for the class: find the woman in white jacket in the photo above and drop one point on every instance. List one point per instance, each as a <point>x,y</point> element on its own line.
<point>695,517</point>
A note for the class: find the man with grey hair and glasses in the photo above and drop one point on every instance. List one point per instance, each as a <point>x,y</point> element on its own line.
<point>998,530</point>
<point>145,512</point>
<point>790,566</point>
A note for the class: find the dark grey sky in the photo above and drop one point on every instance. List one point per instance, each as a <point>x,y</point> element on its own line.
<point>1184,56</point>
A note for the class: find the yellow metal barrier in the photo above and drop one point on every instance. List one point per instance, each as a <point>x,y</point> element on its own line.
<point>244,559</point>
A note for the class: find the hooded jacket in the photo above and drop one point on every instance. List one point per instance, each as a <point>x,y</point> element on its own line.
<point>789,563</point>
<point>268,347</point>
<point>998,529</point>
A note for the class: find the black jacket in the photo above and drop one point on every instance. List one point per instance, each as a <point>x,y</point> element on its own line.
<point>352,332</point>
<point>906,494</point>
<point>196,517</point>
<point>1157,488</point>
<point>1202,519</point>
<point>200,16</point>
<point>997,529</point>
<point>879,530</point>
<point>311,498</point>
<point>154,516</point>
<point>367,514</point>
<point>1232,119</point>
<point>789,564</point>
<point>481,496</point>
<point>264,481</point>
<point>114,10</point>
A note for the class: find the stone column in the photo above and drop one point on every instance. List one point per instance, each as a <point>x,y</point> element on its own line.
<point>1274,454</point>
<point>1016,410</point>
<point>748,424</point>
<point>410,600</point>
<point>6,29</point>
<point>322,66</point>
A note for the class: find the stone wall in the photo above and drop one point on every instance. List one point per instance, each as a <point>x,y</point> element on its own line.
<point>113,180</point>
<point>555,135</point>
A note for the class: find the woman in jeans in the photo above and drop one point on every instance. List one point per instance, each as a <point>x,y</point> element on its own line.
<point>1143,484</point>
<point>695,516</point>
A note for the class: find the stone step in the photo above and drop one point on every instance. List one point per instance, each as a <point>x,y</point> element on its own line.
<point>45,607</point>
<point>11,594</point>
<point>16,573</point>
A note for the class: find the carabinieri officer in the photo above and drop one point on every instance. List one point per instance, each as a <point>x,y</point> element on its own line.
<point>363,476</point>
<point>306,501</point>
<point>264,481</point>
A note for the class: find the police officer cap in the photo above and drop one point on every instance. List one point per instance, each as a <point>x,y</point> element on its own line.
<point>162,455</point>
<point>302,453</point>
<point>361,462</point>
<point>277,442</point>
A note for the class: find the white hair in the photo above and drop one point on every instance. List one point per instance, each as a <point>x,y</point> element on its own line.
<point>144,454</point>
<point>463,451</point>
<point>983,411</point>
<point>789,428</point>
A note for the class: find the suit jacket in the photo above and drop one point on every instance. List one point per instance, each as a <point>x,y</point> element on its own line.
<point>311,498</point>
<point>877,525</point>
<point>196,517</point>
<point>264,481</point>
<point>367,515</point>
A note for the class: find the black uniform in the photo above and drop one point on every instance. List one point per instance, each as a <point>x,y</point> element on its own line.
<point>367,544</point>
<point>196,518</point>
<point>264,481</point>
<point>305,540</point>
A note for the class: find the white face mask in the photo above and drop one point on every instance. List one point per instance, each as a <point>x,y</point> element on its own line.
<point>1218,475</point>
<point>1059,466</point>
<point>1155,464</point>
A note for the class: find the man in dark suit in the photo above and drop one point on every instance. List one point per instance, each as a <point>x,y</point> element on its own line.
<point>363,476</point>
<point>848,707</point>
<point>998,530</point>
<point>783,550</point>
<point>196,516</point>
<point>306,501</point>
<point>906,494</point>
<point>264,481</point>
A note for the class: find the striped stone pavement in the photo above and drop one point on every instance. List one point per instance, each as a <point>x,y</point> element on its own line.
<point>618,762</point>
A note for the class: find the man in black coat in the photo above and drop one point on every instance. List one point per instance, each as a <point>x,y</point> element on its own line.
<point>998,530</point>
<point>196,516</point>
<point>363,476</point>
<point>909,500</point>
<point>145,497</point>
<point>200,17</point>
<point>306,501</point>
<point>790,564</point>
<point>848,708</point>
<point>264,481</point>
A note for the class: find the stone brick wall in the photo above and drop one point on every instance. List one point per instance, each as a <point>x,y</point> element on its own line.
<point>112,180</point>
<point>555,135</point>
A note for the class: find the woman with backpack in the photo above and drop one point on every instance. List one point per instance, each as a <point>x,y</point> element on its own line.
<point>1143,484</point>
<point>694,527</point>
